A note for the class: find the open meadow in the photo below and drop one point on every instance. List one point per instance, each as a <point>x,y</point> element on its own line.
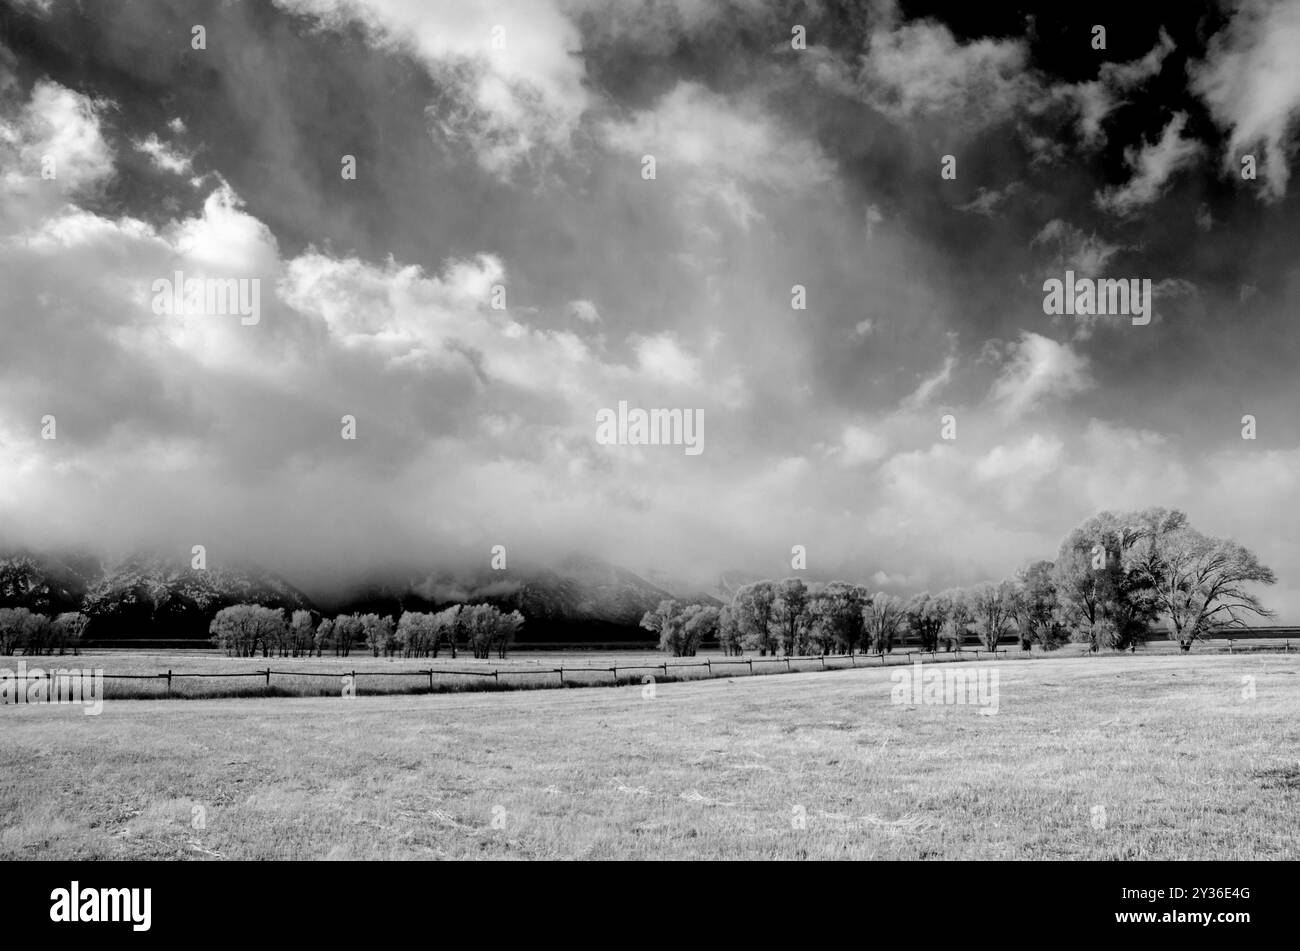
<point>209,673</point>
<point>1150,756</point>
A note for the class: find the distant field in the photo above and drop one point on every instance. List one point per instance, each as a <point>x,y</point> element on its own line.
<point>1113,757</point>
<point>323,676</point>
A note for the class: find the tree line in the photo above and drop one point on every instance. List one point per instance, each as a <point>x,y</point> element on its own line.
<point>1114,578</point>
<point>33,633</point>
<point>244,630</point>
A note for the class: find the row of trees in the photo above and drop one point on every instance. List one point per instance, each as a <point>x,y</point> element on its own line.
<point>795,618</point>
<point>1114,578</point>
<point>39,634</point>
<point>244,630</point>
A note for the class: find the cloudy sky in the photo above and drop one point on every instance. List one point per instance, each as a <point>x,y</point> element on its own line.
<point>519,163</point>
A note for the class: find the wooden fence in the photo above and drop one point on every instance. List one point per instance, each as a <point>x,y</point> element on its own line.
<point>580,675</point>
<point>497,675</point>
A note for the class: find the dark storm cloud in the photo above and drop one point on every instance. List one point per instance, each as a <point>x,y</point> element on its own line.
<point>522,167</point>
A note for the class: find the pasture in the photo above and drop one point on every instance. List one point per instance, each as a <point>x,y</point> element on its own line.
<point>1148,756</point>
<point>200,673</point>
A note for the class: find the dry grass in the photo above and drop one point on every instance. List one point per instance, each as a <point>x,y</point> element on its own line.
<point>1183,765</point>
<point>323,676</point>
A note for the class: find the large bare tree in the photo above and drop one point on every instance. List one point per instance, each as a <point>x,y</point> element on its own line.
<point>1198,582</point>
<point>992,606</point>
<point>884,617</point>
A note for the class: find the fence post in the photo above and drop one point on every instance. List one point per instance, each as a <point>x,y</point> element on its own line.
<point>495,677</point>
<point>169,683</point>
<point>614,671</point>
<point>751,666</point>
<point>709,664</point>
<point>268,678</point>
<point>561,674</point>
<point>787,665</point>
<point>665,666</point>
<point>430,681</point>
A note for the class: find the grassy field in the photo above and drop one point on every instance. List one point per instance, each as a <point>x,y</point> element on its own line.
<point>323,676</point>
<point>1152,756</point>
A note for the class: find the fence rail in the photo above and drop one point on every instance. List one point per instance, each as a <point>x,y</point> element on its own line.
<point>716,668</point>
<point>495,674</point>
